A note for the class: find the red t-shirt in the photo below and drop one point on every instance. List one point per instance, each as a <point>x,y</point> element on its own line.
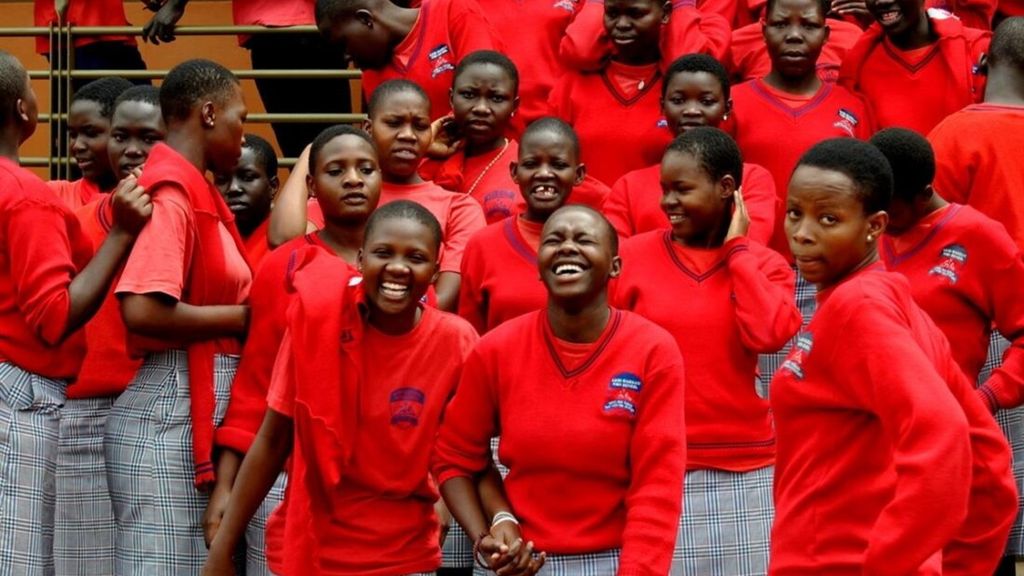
<point>634,204</point>
<point>484,177</point>
<point>978,162</point>
<point>43,249</point>
<point>107,369</point>
<point>761,116</point>
<point>739,304</point>
<point>873,466</point>
<point>748,54</point>
<point>381,517</point>
<point>74,194</point>
<point>273,13</point>
<point>595,446</point>
<point>82,13</point>
<point>445,32</point>
<point>618,131</point>
<point>257,246</point>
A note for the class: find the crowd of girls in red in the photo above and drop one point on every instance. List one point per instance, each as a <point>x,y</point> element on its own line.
<point>608,288</point>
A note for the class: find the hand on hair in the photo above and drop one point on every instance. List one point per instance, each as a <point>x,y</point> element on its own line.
<point>132,206</point>
<point>507,554</point>
<point>445,139</point>
<point>740,223</point>
<point>856,8</point>
<point>161,27</point>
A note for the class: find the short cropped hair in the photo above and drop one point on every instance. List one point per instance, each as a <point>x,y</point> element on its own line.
<point>555,126</point>
<point>715,151</point>
<point>391,88</point>
<point>408,210</point>
<point>693,63</point>
<point>1007,47</point>
<point>104,92</point>
<point>493,58</point>
<point>911,158</point>
<point>613,236</point>
<point>330,133</point>
<point>143,93</point>
<point>192,82</point>
<point>264,153</point>
<point>13,84</point>
<point>859,161</point>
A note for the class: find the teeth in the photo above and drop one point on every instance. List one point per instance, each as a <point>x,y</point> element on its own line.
<point>563,269</point>
<point>676,218</point>
<point>545,191</point>
<point>393,289</point>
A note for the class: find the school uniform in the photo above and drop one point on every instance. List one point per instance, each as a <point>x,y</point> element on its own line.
<point>916,89</point>
<point>616,113</point>
<point>873,466</point>
<point>159,435</point>
<point>634,204</point>
<point>257,247</point>
<point>977,158</point>
<point>84,530</point>
<point>43,248</point>
<point>484,177</point>
<point>268,302</point>
<point>75,193</point>
<point>973,13</point>
<point>366,407</point>
<point>748,55</point>
<point>444,33</point>
<point>739,304</point>
<point>603,493</point>
<point>761,114</point>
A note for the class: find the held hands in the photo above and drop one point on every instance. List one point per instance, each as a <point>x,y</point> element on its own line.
<point>740,223</point>
<point>214,512</point>
<point>504,551</point>
<point>131,205</point>
<point>445,139</point>
<point>161,27</point>
<point>218,565</point>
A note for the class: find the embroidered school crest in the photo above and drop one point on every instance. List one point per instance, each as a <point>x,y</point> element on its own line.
<point>440,58</point>
<point>952,260</point>
<point>406,407</point>
<point>847,121</point>
<point>794,363</point>
<point>567,5</point>
<point>622,392</point>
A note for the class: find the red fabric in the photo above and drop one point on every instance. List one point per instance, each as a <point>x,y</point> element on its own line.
<point>1011,7</point>
<point>873,467</point>
<point>74,194</point>
<point>977,157</point>
<point>82,13</point>
<point>585,45</point>
<point>43,249</point>
<point>739,304</point>
<point>209,276</point>
<point>748,54</point>
<point>445,32</point>
<point>973,13</point>
<point>760,118</point>
<point>486,178</point>
<point>616,134</point>
<point>634,204</point>
<point>366,408</point>
<point>268,306</point>
<point>275,13</point>
<point>917,98</point>
<point>610,473</point>
<point>107,369</point>
<point>499,277</point>
<point>257,247</point>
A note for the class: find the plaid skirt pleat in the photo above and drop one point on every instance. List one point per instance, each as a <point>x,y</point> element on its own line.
<point>1012,423</point>
<point>256,531</point>
<point>148,446</point>
<point>84,527</point>
<point>726,523</point>
<point>804,297</point>
<point>30,407</point>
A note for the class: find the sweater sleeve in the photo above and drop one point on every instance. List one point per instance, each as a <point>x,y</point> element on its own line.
<point>928,432</point>
<point>464,220</point>
<point>470,31</point>
<point>954,170</point>
<point>463,447</point>
<point>658,464</point>
<point>763,297</point>
<point>762,202</point>
<point>616,208</point>
<point>1005,388</point>
<point>584,45</point>
<point>472,300</point>
<point>39,252</point>
<point>693,31</point>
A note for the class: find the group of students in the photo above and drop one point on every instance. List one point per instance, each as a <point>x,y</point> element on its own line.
<point>551,319</point>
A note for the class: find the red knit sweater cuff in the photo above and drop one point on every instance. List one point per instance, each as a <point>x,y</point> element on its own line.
<point>233,438</point>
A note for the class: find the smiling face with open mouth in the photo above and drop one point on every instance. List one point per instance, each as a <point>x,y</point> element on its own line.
<point>577,256</point>
<point>896,17</point>
<point>399,262</point>
<point>546,171</point>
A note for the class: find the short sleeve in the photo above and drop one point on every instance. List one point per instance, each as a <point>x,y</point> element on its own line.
<point>158,262</point>
<point>281,395</point>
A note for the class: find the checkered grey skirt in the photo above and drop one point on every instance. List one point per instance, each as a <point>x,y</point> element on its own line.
<point>256,531</point>
<point>804,296</point>
<point>84,529</point>
<point>726,523</point>
<point>30,408</point>
<point>148,446</point>
<point>604,563</point>
<point>457,551</point>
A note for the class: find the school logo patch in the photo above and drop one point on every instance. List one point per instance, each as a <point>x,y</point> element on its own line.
<point>499,204</point>
<point>662,123</point>
<point>406,406</point>
<point>847,121</point>
<point>440,59</point>
<point>952,260</point>
<point>567,5</point>
<point>622,393</point>
<point>794,363</point>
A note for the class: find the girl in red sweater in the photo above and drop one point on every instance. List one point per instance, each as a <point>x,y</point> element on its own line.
<point>362,376</point>
<point>588,401</point>
<point>739,299</point>
<point>345,180</point>
<point>249,190</point>
<point>874,464</point>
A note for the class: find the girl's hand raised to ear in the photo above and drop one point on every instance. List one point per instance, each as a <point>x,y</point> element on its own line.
<point>740,218</point>
<point>445,138</point>
<point>132,206</point>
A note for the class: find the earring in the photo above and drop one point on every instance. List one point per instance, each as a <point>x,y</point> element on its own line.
<point>871,238</point>
<point>725,116</point>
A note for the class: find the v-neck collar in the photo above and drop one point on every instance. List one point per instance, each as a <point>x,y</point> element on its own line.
<point>614,319</point>
<point>897,258</point>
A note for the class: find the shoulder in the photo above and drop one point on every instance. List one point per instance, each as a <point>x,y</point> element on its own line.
<point>647,339</point>
<point>513,333</point>
<point>756,172</point>
<point>451,328</point>
<point>487,237</point>
<point>643,243</point>
<point>743,90</point>
<point>23,190</point>
<point>275,264</point>
<point>868,294</point>
<point>983,233</point>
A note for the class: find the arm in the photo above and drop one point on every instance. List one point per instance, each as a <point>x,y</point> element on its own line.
<point>955,167</point>
<point>694,31</point>
<point>585,45</point>
<point>464,219</point>
<point>472,300</point>
<point>616,208</point>
<point>161,26</point>
<point>156,315</point>
<point>762,202</point>
<point>1005,307</point>
<point>228,461</point>
<point>259,470</point>
<point>763,297</point>
<point>288,217</point>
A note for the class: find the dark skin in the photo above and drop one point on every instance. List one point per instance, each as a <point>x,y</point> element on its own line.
<point>546,171</point>
<point>209,138</point>
<point>694,99</point>
<point>904,22</point>
<point>346,184</point>
<point>135,128</point>
<point>89,132</point>
<point>132,209</point>
<point>369,35</point>
<point>634,28</point>
<point>700,208</point>
<point>1004,84</point>
<point>483,99</point>
<point>248,190</point>
<point>795,32</point>
<point>397,250</point>
<point>904,215</point>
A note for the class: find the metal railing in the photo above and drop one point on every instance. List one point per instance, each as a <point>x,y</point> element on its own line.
<point>62,71</point>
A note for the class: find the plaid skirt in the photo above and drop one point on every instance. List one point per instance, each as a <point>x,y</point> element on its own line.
<point>804,297</point>
<point>256,531</point>
<point>604,563</point>
<point>30,407</point>
<point>457,551</point>
<point>84,529</point>
<point>148,446</point>
<point>726,523</point>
